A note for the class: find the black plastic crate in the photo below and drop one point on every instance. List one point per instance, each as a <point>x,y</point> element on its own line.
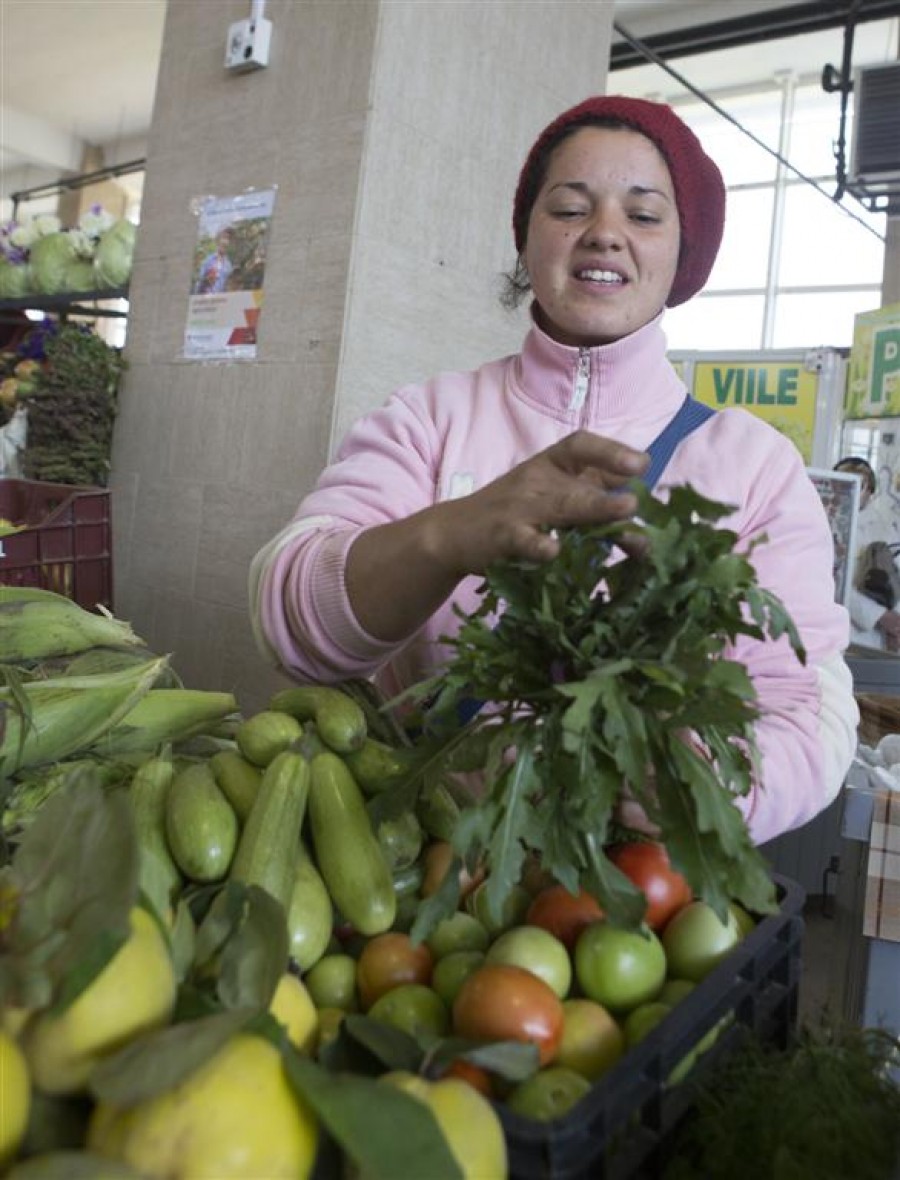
<point>623,1129</point>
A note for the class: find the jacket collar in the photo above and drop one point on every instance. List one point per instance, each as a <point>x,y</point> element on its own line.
<point>629,380</point>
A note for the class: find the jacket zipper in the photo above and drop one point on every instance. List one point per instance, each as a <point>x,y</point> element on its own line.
<point>582,381</point>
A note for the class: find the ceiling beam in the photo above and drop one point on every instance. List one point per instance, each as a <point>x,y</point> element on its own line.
<point>751,28</point>
<point>32,140</point>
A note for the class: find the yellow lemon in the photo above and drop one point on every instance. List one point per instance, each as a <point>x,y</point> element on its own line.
<point>292,1005</point>
<point>15,1097</point>
<point>134,993</point>
<point>467,1120</point>
<point>234,1118</point>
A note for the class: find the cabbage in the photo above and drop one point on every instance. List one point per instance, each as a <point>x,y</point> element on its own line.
<point>50,259</point>
<point>115,250</point>
<point>15,279</point>
<point>80,275</point>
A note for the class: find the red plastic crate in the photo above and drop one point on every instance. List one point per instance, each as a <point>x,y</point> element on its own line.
<point>67,544</point>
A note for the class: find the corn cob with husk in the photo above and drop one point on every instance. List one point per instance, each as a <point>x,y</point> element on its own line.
<point>164,716</point>
<point>48,720</point>
<point>38,624</point>
<point>30,790</point>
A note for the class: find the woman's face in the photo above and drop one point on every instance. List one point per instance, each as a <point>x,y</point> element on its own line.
<point>603,237</point>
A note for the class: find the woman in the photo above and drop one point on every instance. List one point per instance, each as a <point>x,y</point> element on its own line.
<point>618,212</point>
<point>872,624</point>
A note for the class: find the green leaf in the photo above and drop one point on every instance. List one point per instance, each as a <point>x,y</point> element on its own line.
<point>390,1047</point>
<point>513,1061</point>
<point>255,956</point>
<point>158,1061</point>
<point>387,1133</point>
<point>76,873</point>
<point>440,905</point>
<point>506,851</point>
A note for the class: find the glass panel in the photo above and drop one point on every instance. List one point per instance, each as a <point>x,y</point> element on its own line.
<point>712,322</point>
<point>740,160</point>
<point>822,246</point>
<point>744,253</point>
<point>814,134</point>
<point>809,321</point>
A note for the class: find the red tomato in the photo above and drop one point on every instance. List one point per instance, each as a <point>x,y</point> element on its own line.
<point>500,1002</point>
<point>478,1078</point>
<point>646,863</point>
<point>389,960</point>
<point>562,913</point>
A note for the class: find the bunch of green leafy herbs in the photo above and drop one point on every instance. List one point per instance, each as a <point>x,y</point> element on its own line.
<point>824,1108</point>
<point>605,672</point>
<point>72,409</point>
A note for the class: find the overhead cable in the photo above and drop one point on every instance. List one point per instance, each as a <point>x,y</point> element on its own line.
<point>649,54</point>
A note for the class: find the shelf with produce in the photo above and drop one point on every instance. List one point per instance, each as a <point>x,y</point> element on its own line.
<point>69,303</point>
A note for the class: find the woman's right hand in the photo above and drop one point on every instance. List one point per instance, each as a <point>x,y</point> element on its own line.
<point>398,574</point>
<point>576,481</point>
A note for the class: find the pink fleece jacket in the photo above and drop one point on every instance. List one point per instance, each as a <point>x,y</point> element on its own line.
<point>456,432</point>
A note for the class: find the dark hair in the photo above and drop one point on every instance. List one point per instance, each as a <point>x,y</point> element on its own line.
<point>516,283</point>
<point>857,466</point>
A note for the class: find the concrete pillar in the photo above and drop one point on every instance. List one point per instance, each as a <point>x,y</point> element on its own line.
<point>394,131</point>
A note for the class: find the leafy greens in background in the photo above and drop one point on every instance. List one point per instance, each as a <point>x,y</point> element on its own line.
<point>606,672</point>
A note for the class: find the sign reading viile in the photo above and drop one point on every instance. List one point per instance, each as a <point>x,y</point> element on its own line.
<point>762,385</point>
<point>783,393</point>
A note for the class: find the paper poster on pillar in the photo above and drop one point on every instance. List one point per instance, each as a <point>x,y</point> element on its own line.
<point>227,275</point>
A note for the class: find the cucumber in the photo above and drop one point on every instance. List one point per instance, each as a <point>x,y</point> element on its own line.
<point>267,851</point>
<point>377,767</point>
<point>237,779</point>
<point>340,721</point>
<point>264,735</point>
<point>201,827</point>
<point>347,851</point>
<point>310,913</point>
<point>160,877</point>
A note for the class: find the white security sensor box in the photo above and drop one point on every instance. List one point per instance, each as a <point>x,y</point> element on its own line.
<point>248,45</point>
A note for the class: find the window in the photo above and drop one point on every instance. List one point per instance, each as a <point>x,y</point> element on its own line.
<point>827,258</point>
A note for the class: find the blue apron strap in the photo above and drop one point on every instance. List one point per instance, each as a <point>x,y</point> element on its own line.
<point>690,415</point>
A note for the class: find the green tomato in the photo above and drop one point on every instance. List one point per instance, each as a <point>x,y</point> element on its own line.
<point>642,1020</point>
<point>331,982</point>
<point>592,1040</point>
<point>695,941</point>
<point>513,913</point>
<point>459,932</point>
<point>619,969</point>
<point>745,920</point>
<point>451,972</point>
<point>413,1008</point>
<point>549,1094</point>
<point>673,991</point>
<point>539,952</point>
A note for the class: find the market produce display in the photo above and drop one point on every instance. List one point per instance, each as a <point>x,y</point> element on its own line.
<point>296,944</point>
<point>67,380</point>
<point>40,256</point>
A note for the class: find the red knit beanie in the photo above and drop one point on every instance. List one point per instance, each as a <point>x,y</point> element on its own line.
<point>699,189</point>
